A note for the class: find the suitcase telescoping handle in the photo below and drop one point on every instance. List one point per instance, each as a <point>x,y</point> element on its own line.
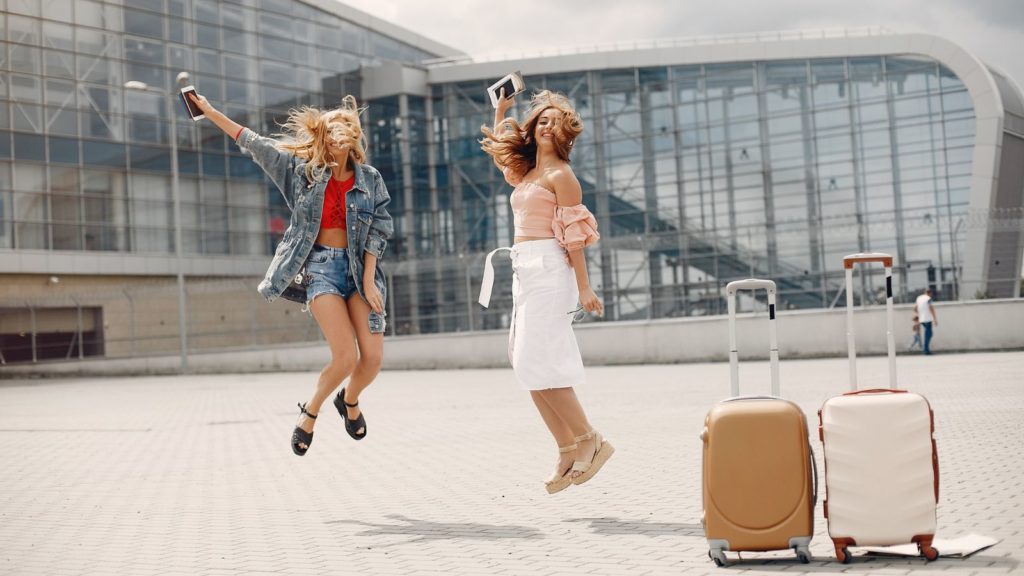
<point>848,264</point>
<point>773,352</point>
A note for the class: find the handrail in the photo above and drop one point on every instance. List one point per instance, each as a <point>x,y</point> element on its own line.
<point>704,40</point>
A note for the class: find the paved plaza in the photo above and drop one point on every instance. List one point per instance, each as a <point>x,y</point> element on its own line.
<point>193,475</point>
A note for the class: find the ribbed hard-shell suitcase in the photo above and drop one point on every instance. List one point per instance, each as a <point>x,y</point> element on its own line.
<point>881,462</point>
<point>760,486</point>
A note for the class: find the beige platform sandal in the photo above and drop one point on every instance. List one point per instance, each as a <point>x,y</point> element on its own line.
<point>563,481</point>
<point>603,450</point>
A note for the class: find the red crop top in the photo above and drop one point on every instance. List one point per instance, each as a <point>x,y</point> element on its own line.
<point>334,202</point>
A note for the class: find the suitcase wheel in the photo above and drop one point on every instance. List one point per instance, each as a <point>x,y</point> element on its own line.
<point>930,554</point>
<point>718,556</point>
<point>843,554</point>
<point>803,554</point>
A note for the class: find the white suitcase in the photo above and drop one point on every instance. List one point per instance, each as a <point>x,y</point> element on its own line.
<point>881,463</point>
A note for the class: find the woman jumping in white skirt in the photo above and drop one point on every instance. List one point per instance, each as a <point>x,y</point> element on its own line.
<point>552,227</point>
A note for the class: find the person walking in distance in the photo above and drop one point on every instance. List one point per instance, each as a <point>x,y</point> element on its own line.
<point>916,329</point>
<point>552,227</point>
<point>338,231</point>
<point>926,315</point>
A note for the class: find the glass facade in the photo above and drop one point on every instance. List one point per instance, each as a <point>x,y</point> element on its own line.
<point>704,174</point>
<point>698,174</point>
<point>85,163</point>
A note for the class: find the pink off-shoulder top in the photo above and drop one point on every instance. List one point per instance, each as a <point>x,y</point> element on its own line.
<point>536,213</point>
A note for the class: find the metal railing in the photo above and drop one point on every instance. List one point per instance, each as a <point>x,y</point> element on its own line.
<point>684,42</point>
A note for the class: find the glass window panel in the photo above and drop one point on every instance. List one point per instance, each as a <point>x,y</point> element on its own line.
<point>60,93</point>
<point>727,80</point>
<point>148,129</point>
<point>59,64</point>
<point>239,41</point>
<point>65,203</point>
<point>177,8</point>
<point>190,215</point>
<point>4,123</point>
<point>179,57</point>
<point>239,67</point>
<point>154,5</point>
<point>150,158</point>
<point>138,102</point>
<point>28,59</point>
<point>236,91</point>
<point>179,30</point>
<point>277,48</point>
<point>208,62</point>
<point>208,36</point>
<point>354,38</point>
<point>57,10</point>
<point>151,220</point>
<point>63,150</point>
<point>152,76</point>
<point>214,217</point>
<point>213,165</point>
<point>58,36</point>
<point>99,125</point>
<point>26,89</point>
<point>188,162</point>
<point>103,154</point>
<point>99,70</point>
<point>237,17</point>
<point>144,51</point>
<point>275,24</point>
<point>29,147</point>
<point>30,214</point>
<point>29,178</point>
<point>24,30</point>
<point>98,43</point>
<point>143,23</point>
<point>783,74</point>
<point>210,87</point>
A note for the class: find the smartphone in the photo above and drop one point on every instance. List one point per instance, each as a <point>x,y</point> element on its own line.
<point>512,83</point>
<point>191,109</point>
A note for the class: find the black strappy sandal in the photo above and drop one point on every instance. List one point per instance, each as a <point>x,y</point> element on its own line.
<point>300,437</point>
<point>351,426</point>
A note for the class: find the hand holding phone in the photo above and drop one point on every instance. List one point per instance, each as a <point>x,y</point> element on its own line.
<point>191,107</point>
<point>512,84</point>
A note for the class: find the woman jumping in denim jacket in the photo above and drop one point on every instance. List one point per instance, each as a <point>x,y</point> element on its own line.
<point>552,227</point>
<point>339,228</point>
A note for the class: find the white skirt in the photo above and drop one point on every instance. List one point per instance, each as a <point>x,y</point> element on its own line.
<point>541,345</point>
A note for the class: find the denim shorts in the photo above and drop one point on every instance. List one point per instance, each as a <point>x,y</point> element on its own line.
<point>329,269</point>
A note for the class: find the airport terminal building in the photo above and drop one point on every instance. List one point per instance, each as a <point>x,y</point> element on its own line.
<point>705,161</point>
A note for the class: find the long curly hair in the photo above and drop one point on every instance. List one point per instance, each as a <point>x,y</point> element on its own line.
<point>513,145</point>
<point>304,134</point>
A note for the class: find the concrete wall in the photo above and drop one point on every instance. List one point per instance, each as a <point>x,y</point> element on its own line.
<point>963,326</point>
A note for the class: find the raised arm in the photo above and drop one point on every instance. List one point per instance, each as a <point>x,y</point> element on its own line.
<point>230,127</point>
<point>501,112</point>
<point>276,163</point>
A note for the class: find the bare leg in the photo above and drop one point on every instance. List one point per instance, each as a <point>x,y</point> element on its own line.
<point>331,314</point>
<point>559,429</point>
<point>371,354</point>
<point>566,406</point>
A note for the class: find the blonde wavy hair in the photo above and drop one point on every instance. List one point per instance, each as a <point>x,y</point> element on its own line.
<point>513,145</point>
<point>304,135</point>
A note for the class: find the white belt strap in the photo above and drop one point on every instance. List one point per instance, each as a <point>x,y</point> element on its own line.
<point>488,282</point>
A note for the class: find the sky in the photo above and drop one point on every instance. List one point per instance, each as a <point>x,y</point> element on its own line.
<point>993,30</point>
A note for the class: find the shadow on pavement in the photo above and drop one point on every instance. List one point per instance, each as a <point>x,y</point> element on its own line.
<point>424,531</point>
<point>616,527</point>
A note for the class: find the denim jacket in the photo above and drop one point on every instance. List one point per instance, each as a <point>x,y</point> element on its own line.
<point>368,222</point>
